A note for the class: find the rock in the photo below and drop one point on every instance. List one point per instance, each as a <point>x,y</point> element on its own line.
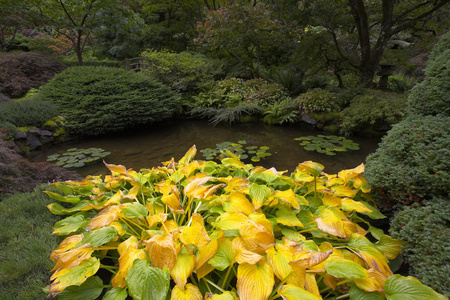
<point>308,119</point>
<point>4,98</point>
<point>33,141</point>
<point>20,135</point>
<point>46,133</point>
<point>35,131</point>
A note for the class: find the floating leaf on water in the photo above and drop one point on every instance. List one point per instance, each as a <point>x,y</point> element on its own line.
<point>243,142</point>
<point>328,145</point>
<point>236,149</point>
<point>77,158</point>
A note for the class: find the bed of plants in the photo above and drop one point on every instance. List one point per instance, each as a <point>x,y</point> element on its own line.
<point>193,229</point>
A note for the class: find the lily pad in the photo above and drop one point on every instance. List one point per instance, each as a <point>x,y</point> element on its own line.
<point>327,144</point>
<point>77,158</point>
<point>255,153</point>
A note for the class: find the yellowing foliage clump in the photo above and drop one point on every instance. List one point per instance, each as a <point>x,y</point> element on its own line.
<point>204,230</point>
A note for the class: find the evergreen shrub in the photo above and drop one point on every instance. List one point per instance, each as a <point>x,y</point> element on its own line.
<point>183,72</point>
<point>412,162</point>
<point>27,112</point>
<point>426,231</point>
<point>317,100</point>
<point>98,100</point>
<point>372,110</point>
<point>20,72</point>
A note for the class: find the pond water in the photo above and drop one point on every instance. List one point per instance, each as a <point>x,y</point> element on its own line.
<point>147,148</point>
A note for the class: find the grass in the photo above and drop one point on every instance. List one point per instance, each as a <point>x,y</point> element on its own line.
<point>25,244</point>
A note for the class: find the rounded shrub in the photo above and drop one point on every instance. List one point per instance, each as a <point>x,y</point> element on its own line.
<point>426,231</point>
<point>19,72</point>
<point>372,110</point>
<point>412,162</point>
<point>317,100</point>
<point>430,97</point>
<point>98,100</point>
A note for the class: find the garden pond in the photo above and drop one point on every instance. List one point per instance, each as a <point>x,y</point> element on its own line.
<point>147,148</point>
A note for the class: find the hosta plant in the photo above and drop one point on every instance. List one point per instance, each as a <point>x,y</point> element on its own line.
<point>197,229</point>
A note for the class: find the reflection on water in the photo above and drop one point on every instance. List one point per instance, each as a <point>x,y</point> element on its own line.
<point>148,148</point>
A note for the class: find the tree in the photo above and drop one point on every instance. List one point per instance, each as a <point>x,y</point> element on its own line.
<point>14,15</point>
<point>247,33</point>
<point>76,19</point>
<point>368,26</point>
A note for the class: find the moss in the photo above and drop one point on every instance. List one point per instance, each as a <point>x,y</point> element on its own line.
<point>25,128</point>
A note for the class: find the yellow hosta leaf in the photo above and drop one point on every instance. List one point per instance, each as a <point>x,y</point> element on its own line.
<point>378,276</point>
<point>360,182</point>
<point>351,227</point>
<point>331,200</point>
<point>156,219</point>
<point>291,292</point>
<point>255,282</point>
<point>390,247</point>
<point>183,268</point>
<point>311,284</point>
<point>346,175</point>
<point>191,188</point>
<point>72,257</point>
<point>204,270</point>
<point>105,217</point>
<point>233,162</point>
<point>188,156</point>
<point>238,203</point>
<point>236,184</point>
<point>169,226</point>
<point>162,251</point>
<point>73,276</point>
<point>195,234</point>
<point>228,221</point>
<point>303,177</point>
<point>242,253</point>
<point>223,296</point>
<point>129,252</point>
<point>154,209</point>
<point>190,292</point>
<point>173,202</point>
<point>368,284</point>
<point>328,222</point>
<point>374,259</point>
<point>289,197</point>
<point>68,243</point>
<point>191,167</point>
<point>330,281</point>
<point>208,251</point>
<point>279,262</point>
<point>287,217</point>
<point>116,168</point>
<point>344,191</point>
<point>261,219</point>
<point>311,167</point>
<point>257,237</point>
<point>352,205</point>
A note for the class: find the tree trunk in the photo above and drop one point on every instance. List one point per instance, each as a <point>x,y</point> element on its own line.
<point>79,48</point>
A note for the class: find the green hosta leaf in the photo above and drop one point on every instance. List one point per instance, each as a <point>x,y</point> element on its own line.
<point>89,290</point>
<point>135,210</point>
<point>398,287</point>
<point>58,209</point>
<point>146,282</point>
<point>292,235</point>
<point>99,237</point>
<point>376,232</point>
<point>287,217</point>
<point>358,294</point>
<point>346,269</point>
<point>224,256</point>
<point>375,214</point>
<point>116,293</point>
<point>389,247</point>
<point>71,224</point>
<point>58,197</point>
<point>259,194</point>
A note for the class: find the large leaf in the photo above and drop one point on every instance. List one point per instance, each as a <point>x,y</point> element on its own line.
<point>96,238</point>
<point>183,268</point>
<point>330,223</point>
<point>287,217</point>
<point>259,194</point>
<point>238,203</point>
<point>71,224</point>
<point>129,252</point>
<point>389,247</point>
<point>346,269</point>
<point>398,287</point>
<point>89,290</point>
<point>291,292</point>
<point>146,282</point>
<point>358,294</point>
<point>224,256</point>
<point>69,199</point>
<point>135,210</point>
<point>255,282</point>
<point>58,209</point>
<point>190,292</point>
<point>73,276</point>
<point>116,293</point>
<point>196,233</point>
<point>162,251</point>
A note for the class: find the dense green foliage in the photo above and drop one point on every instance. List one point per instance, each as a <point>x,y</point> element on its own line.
<point>412,162</point>
<point>431,96</point>
<point>183,72</point>
<point>427,233</point>
<point>373,110</point>
<point>25,243</point>
<point>98,100</point>
<point>27,112</point>
<point>317,100</point>
<point>20,72</point>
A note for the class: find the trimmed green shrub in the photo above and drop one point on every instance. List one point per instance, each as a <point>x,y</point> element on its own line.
<point>412,162</point>
<point>28,112</point>
<point>431,96</point>
<point>317,100</point>
<point>25,244</point>
<point>373,110</point>
<point>20,72</point>
<point>427,233</point>
<point>97,100</point>
<point>183,72</point>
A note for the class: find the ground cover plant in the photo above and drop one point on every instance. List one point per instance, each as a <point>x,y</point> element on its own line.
<point>196,229</point>
<point>327,144</point>
<point>99,100</point>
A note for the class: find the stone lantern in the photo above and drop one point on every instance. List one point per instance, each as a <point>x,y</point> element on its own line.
<point>386,70</point>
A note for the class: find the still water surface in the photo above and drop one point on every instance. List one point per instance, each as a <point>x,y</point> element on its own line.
<point>147,148</point>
